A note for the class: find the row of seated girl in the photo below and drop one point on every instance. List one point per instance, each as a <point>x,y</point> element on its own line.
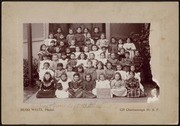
<point>87,88</point>
<point>95,73</point>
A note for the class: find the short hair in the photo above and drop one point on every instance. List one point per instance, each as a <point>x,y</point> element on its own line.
<point>88,75</point>
<point>59,65</point>
<point>46,63</point>
<point>76,74</point>
<point>78,28</point>
<point>108,63</point>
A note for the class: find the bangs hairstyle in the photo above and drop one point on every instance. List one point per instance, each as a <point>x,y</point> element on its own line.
<point>99,62</point>
<point>103,75</point>
<point>94,45</point>
<point>89,76</point>
<point>85,56</point>
<point>44,79</point>
<point>120,78</point>
<point>42,46</point>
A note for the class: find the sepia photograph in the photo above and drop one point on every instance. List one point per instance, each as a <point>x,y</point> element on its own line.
<point>88,60</point>
<point>90,63</point>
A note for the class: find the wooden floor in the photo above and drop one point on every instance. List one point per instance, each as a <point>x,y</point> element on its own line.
<point>33,100</point>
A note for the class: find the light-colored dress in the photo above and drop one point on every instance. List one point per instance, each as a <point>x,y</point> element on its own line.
<point>118,88</point>
<point>101,84</point>
<point>123,74</point>
<point>63,93</point>
<point>102,42</point>
<point>42,63</point>
<point>48,41</point>
<point>70,75</point>
<point>130,47</point>
<point>64,62</point>
<point>83,62</point>
<point>153,99</point>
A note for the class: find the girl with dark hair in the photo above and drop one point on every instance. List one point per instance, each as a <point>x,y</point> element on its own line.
<point>113,46</point>
<point>96,34</point>
<point>79,37</point>
<point>82,60</point>
<point>47,87</point>
<point>100,69</point>
<point>88,86</point>
<point>130,47</point>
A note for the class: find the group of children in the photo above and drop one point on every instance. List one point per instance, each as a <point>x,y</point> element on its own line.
<point>76,65</point>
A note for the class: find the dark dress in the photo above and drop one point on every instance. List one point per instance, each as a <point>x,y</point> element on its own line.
<point>133,88</point>
<point>80,39</point>
<point>113,48</point>
<point>96,36</point>
<point>88,86</point>
<point>75,89</point>
<point>138,61</point>
<point>47,90</point>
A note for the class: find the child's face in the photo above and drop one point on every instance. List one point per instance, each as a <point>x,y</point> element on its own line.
<point>59,68</point>
<point>132,68</point>
<point>57,50</point>
<point>76,78</point>
<point>80,69</point>
<point>61,43</point>
<point>119,67</point>
<point>79,30</point>
<point>88,78</point>
<point>55,58</point>
<point>102,36</point>
<point>127,55</point>
<point>69,68</point>
<point>47,76</point>
<point>117,77</point>
<point>104,49</point>
<point>94,48</point>
<point>73,42</point>
<point>88,35</point>
<point>46,66</point>
<point>85,30</point>
<point>113,56</point>
<point>86,49</point>
<point>63,56</point>
<point>91,56</point>
<point>52,44</point>
<point>131,75</point>
<point>63,77</point>
<point>96,30</point>
<point>122,51</point>
<point>128,40</point>
<point>72,56</point>
<point>82,56</point>
<point>51,36</point>
<point>99,66</point>
<point>102,56</point>
<point>126,68</point>
<point>70,31</point>
<point>120,41</point>
<point>102,77</point>
<point>89,64</point>
<point>68,50</point>
<point>44,47</point>
<point>59,30</point>
<point>136,53</point>
<point>88,42</point>
<point>109,66</point>
<point>77,49</point>
<point>40,57</point>
<point>113,40</point>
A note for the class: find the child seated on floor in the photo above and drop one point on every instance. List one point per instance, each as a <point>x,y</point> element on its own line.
<point>47,87</point>
<point>88,85</point>
<point>59,71</point>
<point>133,86</point>
<point>62,86</point>
<point>102,82</point>
<point>118,86</point>
<point>75,87</point>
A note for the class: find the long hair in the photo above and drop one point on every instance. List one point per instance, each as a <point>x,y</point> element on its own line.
<point>42,46</point>
<point>88,75</point>
<point>47,81</point>
<point>85,56</point>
